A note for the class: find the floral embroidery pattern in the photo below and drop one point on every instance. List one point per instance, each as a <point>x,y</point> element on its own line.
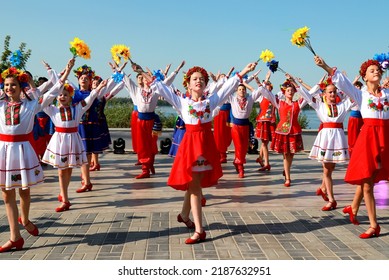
<point>200,114</point>
<point>286,125</point>
<point>37,172</point>
<point>16,177</point>
<point>146,96</point>
<point>337,153</point>
<point>242,102</point>
<point>268,113</point>
<point>64,159</point>
<point>380,106</point>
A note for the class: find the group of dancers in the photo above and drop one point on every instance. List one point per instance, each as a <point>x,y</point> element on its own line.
<point>198,151</point>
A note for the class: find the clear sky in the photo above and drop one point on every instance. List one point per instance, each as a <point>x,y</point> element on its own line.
<point>213,34</point>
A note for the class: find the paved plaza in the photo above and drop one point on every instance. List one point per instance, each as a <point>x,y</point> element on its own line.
<point>245,219</point>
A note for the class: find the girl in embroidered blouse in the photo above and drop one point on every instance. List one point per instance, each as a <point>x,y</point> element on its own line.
<point>368,164</point>
<point>65,149</point>
<point>20,167</point>
<point>330,146</point>
<point>197,164</point>
<point>287,137</point>
<point>265,127</point>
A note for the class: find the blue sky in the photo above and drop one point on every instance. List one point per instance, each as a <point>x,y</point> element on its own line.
<point>213,34</point>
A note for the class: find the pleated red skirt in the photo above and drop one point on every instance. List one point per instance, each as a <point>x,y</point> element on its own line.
<point>370,153</point>
<point>198,141</point>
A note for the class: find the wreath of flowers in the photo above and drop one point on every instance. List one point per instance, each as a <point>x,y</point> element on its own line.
<point>120,51</point>
<point>325,83</point>
<point>79,48</point>
<point>366,64</point>
<point>20,75</point>
<point>192,70</point>
<point>84,70</point>
<point>300,38</point>
<point>69,89</point>
<point>287,84</point>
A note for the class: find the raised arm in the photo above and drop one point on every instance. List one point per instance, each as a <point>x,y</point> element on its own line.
<point>169,80</point>
<point>340,81</point>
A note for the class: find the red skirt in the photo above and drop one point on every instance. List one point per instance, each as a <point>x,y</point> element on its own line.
<point>370,153</point>
<point>265,130</point>
<point>198,141</point>
<point>353,129</point>
<point>240,136</point>
<point>287,144</point>
<point>222,131</point>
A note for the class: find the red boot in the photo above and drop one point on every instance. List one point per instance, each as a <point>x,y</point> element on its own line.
<point>145,172</point>
<point>240,170</point>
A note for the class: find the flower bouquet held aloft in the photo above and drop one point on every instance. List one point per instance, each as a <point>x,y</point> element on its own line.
<point>266,56</point>
<point>273,66</point>
<point>120,52</point>
<point>79,48</point>
<point>300,38</point>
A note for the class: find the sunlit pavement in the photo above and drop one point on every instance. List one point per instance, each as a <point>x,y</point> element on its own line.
<point>251,218</point>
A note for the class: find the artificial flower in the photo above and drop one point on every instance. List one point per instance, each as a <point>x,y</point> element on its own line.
<point>300,38</point>
<point>273,66</point>
<point>120,51</point>
<point>266,55</point>
<point>245,77</point>
<point>117,77</point>
<point>383,59</point>
<point>15,58</point>
<point>79,48</point>
<point>158,75</point>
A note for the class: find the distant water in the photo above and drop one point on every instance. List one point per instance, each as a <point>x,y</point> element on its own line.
<point>311,116</point>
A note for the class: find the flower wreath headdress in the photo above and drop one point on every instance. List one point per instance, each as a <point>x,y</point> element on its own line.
<point>366,64</point>
<point>69,89</point>
<point>287,84</point>
<point>192,70</point>
<point>84,70</point>
<point>19,74</point>
<point>326,83</point>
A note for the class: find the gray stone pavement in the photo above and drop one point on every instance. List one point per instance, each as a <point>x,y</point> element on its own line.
<point>251,218</point>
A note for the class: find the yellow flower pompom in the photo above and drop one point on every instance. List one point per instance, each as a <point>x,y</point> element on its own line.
<point>266,55</point>
<point>120,51</point>
<point>79,48</point>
